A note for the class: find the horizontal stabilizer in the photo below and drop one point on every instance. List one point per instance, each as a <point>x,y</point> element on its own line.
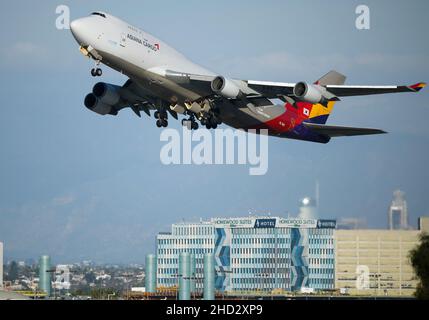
<point>340,131</point>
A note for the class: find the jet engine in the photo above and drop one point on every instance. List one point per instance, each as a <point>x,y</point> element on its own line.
<point>95,104</point>
<point>104,99</point>
<point>225,87</point>
<point>107,93</point>
<point>308,93</point>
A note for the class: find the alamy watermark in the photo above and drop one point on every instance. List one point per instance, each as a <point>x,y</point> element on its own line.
<point>363,21</point>
<point>63,20</point>
<point>220,146</point>
<point>362,279</point>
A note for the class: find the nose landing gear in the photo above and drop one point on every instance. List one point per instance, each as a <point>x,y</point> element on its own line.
<point>96,72</point>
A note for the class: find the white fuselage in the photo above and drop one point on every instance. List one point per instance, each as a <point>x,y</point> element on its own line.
<point>159,70</point>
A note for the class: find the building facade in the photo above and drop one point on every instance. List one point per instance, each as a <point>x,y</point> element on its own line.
<point>423,224</point>
<point>375,262</point>
<point>253,253</point>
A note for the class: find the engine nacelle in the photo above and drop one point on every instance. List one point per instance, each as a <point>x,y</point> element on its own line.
<point>107,93</point>
<point>96,105</point>
<point>308,93</point>
<point>225,87</point>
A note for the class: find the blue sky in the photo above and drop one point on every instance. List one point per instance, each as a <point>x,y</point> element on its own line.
<point>76,185</point>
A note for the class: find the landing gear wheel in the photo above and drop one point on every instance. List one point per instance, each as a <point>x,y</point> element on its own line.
<point>194,125</point>
<point>203,122</point>
<point>214,126</point>
<point>164,123</point>
<point>156,114</point>
<point>159,123</point>
<point>213,122</point>
<point>208,126</point>
<point>96,72</point>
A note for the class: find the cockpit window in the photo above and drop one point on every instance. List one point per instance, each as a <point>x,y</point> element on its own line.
<point>98,14</point>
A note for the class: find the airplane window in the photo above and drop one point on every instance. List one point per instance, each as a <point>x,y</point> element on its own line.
<point>98,14</point>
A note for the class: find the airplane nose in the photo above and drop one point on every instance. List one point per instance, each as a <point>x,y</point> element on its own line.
<point>76,27</point>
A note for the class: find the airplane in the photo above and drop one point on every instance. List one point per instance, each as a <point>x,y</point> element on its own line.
<point>164,81</point>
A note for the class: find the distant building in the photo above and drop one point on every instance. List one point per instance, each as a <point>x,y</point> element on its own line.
<point>398,213</point>
<point>253,253</point>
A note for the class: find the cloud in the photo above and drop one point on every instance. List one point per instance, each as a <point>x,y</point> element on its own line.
<point>63,200</point>
<point>24,53</point>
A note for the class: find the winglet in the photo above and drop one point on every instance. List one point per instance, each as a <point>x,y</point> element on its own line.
<point>418,86</point>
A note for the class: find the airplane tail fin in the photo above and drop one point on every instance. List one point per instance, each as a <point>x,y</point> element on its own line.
<point>319,113</point>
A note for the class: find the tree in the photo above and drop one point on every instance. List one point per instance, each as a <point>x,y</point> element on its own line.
<point>419,257</point>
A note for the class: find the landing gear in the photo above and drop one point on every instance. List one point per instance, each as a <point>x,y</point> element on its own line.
<point>96,72</point>
<point>161,123</point>
<point>162,118</point>
<point>211,122</point>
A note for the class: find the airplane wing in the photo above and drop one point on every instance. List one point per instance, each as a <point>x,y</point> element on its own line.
<point>345,91</point>
<point>340,131</point>
<point>273,90</point>
<point>333,82</point>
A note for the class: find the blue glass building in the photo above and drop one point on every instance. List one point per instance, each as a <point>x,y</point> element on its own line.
<point>253,253</point>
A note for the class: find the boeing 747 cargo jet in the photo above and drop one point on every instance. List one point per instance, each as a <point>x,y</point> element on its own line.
<point>163,80</point>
